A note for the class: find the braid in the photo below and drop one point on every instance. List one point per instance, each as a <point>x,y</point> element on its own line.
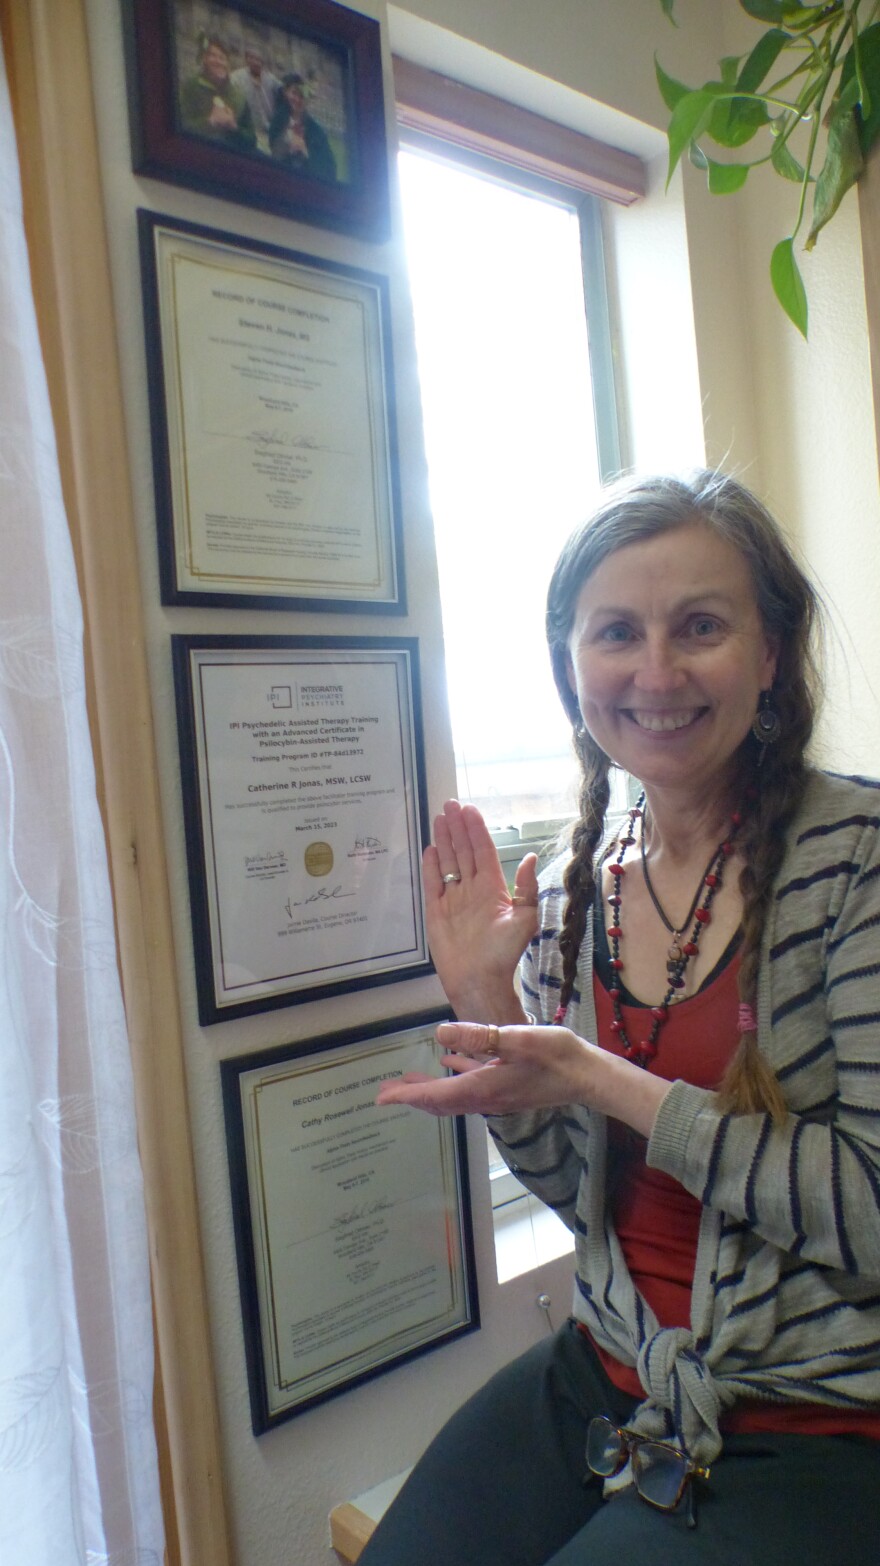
<point>749,1085</point>
<point>579,880</point>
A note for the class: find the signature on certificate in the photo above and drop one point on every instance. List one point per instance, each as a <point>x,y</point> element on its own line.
<point>358,1214</point>
<point>362,845</point>
<point>279,437</point>
<point>323,894</point>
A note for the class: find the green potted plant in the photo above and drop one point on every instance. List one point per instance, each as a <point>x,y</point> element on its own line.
<point>814,67</point>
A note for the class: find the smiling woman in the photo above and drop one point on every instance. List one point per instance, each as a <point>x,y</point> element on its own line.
<point>694,1088</point>
<point>668,657</point>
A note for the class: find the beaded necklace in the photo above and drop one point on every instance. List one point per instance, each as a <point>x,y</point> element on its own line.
<point>680,952</point>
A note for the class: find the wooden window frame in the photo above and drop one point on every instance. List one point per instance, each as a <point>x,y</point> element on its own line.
<point>477,122</point>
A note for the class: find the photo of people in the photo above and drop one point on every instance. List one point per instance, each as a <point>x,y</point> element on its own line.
<point>295,136</point>
<point>211,104</point>
<point>259,89</point>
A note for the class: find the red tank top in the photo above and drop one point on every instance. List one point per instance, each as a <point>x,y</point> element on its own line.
<point>657,1220</point>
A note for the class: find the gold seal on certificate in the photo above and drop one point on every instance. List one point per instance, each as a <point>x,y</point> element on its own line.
<point>304,796</point>
<point>352,1221</point>
<point>318,859</point>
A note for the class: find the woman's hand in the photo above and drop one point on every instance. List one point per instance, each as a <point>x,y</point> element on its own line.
<point>477,931</point>
<point>499,1071</point>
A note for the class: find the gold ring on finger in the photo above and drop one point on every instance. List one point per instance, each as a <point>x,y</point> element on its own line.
<point>493,1042</point>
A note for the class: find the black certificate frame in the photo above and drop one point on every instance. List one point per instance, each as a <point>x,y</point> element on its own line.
<point>338,43</point>
<point>202,806</point>
<point>253,1252</point>
<point>166,375</point>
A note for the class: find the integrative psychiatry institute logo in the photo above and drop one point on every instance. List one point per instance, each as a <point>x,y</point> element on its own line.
<point>308,696</point>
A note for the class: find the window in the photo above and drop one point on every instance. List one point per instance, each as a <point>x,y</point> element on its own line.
<point>520,421</point>
<point>514,356</point>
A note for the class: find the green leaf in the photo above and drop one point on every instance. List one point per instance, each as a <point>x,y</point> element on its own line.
<point>867,119</point>
<point>671,91</point>
<point>846,98</point>
<point>788,284</point>
<point>725,178</point>
<point>864,89</point>
<point>762,57</point>
<point>842,167</point>
<point>779,10</point>
<point>698,157</point>
<point>667,10</point>
<point>785,164</point>
<point>729,67</point>
<point>689,119</point>
<point>734,121</point>
<point>767,10</point>
<point>805,17</point>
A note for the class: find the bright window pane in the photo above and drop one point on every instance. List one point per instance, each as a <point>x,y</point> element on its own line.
<point>504,368</point>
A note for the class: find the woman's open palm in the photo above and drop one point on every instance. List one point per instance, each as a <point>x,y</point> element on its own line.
<point>477,929</point>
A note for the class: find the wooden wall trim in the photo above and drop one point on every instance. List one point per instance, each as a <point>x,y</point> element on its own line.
<point>46,50</point>
<point>476,121</point>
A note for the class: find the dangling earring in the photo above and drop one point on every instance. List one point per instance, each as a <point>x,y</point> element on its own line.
<point>766,724</point>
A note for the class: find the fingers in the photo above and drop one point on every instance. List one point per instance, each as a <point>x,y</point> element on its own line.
<point>432,875</point>
<point>525,882</point>
<point>435,1096</point>
<point>455,853</point>
<point>461,1064</point>
<point>481,1039</point>
<point>459,833</point>
<point>483,850</point>
<point>470,1047</point>
<point>465,849</point>
<point>447,857</point>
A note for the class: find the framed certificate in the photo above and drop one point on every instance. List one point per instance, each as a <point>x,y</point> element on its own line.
<point>278,104</point>
<point>304,804</point>
<point>272,415</point>
<point>352,1222</point>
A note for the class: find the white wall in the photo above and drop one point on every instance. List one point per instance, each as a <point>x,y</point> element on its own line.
<point>815,456</point>
<point>725,373</point>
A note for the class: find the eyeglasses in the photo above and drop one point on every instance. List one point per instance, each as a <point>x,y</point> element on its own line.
<point>661,1472</point>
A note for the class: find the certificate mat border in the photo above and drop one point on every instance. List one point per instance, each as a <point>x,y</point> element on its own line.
<point>257,1351</point>
<point>209,1008</point>
<point>167,526</point>
<point>160,148</point>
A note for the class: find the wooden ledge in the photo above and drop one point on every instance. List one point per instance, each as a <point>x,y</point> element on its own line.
<point>353,1523</point>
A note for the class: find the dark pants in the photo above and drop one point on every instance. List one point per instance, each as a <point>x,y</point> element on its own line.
<point>503,1485</point>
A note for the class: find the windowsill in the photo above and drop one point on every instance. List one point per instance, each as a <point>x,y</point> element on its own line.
<point>527,1235</point>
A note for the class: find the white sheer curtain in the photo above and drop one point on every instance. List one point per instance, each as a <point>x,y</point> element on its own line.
<point>78,1473</point>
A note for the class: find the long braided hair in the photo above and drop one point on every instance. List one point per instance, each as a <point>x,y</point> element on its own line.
<point>789,609</point>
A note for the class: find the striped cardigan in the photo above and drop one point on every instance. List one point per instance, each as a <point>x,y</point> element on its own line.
<point>786,1292</point>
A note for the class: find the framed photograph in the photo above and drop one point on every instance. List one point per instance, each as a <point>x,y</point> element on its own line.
<point>277,104</point>
<point>272,414</point>
<point>304,803</point>
<point>352,1222</point>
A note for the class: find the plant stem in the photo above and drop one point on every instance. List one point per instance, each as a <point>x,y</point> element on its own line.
<point>814,132</point>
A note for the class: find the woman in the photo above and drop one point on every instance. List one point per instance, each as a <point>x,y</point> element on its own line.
<point>695,1087</point>
<point>295,137</point>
